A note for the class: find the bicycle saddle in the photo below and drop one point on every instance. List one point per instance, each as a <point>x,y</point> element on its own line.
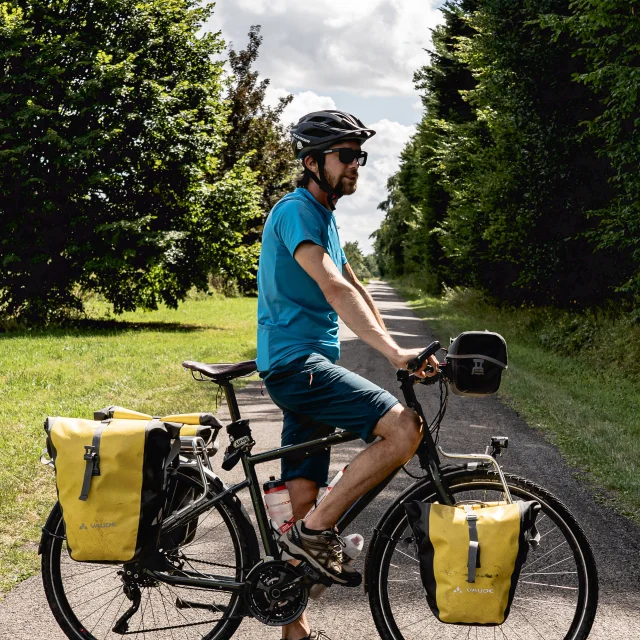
<point>222,372</point>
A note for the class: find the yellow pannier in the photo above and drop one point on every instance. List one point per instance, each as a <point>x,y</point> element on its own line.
<point>471,556</point>
<point>111,480</point>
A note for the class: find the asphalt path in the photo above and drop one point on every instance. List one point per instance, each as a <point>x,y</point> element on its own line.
<point>344,613</point>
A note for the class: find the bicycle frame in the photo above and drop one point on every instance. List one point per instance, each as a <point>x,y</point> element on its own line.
<point>427,454</point>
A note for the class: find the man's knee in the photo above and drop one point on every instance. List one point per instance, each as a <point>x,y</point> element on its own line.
<point>410,431</point>
<point>403,428</point>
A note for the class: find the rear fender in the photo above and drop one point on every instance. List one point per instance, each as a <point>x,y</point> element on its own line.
<point>46,530</point>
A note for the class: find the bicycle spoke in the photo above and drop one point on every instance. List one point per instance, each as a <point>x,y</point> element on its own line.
<point>549,566</point>
<point>104,593</point>
<point>102,614</point>
<point>552,586</point>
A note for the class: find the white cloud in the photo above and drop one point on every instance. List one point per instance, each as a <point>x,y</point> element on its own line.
<point>369,46</point>
<point>303,102</point>
<point>358,215</point>
<point>351,53</point>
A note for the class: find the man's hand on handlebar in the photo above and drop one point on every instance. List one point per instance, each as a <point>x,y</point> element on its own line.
<point>403,357</point>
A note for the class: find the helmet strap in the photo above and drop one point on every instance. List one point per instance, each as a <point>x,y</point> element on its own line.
<point>322,182</point>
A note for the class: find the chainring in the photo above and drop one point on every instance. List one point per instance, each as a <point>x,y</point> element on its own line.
<point>276,593</point>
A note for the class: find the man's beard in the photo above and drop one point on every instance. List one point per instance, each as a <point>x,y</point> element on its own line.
<point>344,186</point>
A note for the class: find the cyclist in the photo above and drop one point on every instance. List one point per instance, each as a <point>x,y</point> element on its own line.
<point>304,284</point>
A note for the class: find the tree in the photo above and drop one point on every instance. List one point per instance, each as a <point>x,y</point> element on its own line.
<point>498,187</point>
<point>607,33</point>
<point>256,130</point>
<point>356,260</point>
<point>372,264</point>
<point>110,139</point>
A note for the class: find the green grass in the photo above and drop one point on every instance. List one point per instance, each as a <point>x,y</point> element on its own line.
<point>132,361</point>
<point>570,376</point>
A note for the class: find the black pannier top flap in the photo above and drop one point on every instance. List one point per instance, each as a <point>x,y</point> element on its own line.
<point>475,363</point>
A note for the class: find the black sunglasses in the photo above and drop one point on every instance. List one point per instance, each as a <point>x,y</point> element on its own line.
<point>347,155</point>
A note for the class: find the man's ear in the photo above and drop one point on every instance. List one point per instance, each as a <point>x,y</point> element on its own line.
<point>311,163</point>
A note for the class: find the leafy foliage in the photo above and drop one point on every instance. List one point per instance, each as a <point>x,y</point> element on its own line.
<point>256,129</point>
<point>111,133</point>
<point>503,187</point>
<point>356,260</point>
<point>607,33</point>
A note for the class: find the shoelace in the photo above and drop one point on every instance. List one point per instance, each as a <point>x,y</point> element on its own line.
<point>337,550</point>
<point>318,635</point>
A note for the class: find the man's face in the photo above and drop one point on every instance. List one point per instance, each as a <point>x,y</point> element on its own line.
<point>341,177</point>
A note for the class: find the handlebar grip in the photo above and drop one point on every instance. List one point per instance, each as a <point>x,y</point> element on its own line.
<point>416,362</point>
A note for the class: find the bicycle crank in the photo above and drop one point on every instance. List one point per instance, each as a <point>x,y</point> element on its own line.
<point>276,593</point>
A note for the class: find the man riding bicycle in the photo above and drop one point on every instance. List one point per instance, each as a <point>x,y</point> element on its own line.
<point>304,284</point>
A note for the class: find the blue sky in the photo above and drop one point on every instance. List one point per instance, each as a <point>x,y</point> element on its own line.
<point>359,57</point>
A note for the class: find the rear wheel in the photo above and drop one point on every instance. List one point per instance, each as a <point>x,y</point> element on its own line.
<point>557,592</point>
<point>88,599</point>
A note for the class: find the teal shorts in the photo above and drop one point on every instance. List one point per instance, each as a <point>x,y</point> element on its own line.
<point>316,397</point>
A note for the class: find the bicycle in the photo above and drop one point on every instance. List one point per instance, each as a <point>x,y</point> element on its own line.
<point>208,573</point>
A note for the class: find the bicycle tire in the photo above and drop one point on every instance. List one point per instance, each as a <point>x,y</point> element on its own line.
<point>542,610</point>
<point>86,598</point>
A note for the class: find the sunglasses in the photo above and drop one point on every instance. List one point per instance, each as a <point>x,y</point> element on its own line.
<point>347,155</point>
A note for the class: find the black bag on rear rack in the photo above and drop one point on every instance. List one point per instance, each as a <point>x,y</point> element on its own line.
<point>475,361</point>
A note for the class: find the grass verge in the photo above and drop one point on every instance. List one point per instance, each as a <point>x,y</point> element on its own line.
<point>571,376</point>
<point>133,361</point>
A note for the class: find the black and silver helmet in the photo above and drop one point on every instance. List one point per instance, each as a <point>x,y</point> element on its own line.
<point>320,130</point>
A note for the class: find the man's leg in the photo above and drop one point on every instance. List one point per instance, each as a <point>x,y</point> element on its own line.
<point>400,432</point>
<point>303,494</point>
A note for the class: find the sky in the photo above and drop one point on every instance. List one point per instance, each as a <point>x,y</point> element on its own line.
<point>358,56</point>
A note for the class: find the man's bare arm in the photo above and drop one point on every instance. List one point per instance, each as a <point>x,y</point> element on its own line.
<point>352,279</point>
<point>350,305</point>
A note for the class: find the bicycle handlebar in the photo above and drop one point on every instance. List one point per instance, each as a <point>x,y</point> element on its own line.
<point>416,363</point>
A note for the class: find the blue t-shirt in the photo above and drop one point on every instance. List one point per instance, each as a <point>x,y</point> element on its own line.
<point>294,317</point>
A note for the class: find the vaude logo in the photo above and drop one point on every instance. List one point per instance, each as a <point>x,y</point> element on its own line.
<point>478,368</point>
<point>297,137</point>
<point>241,442</point>
<point>459,590</point>
<point>97,525</point>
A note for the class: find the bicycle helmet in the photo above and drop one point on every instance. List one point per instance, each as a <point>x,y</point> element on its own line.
<point>318,131</point>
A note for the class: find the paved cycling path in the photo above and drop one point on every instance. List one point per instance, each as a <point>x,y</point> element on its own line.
<point>344,613</point>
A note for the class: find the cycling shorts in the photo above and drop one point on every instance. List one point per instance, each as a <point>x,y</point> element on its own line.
<point>317,396</point>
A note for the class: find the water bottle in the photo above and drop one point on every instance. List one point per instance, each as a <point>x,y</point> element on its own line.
<point>279,510</point>
<point>353,544</point>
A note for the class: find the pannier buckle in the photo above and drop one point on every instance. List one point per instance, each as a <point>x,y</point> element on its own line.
<point>90,455</point>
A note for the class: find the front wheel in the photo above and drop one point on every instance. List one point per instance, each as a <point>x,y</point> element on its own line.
<point>557,592</point>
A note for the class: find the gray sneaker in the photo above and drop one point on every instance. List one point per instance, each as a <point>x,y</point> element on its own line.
<point>323,551</point>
